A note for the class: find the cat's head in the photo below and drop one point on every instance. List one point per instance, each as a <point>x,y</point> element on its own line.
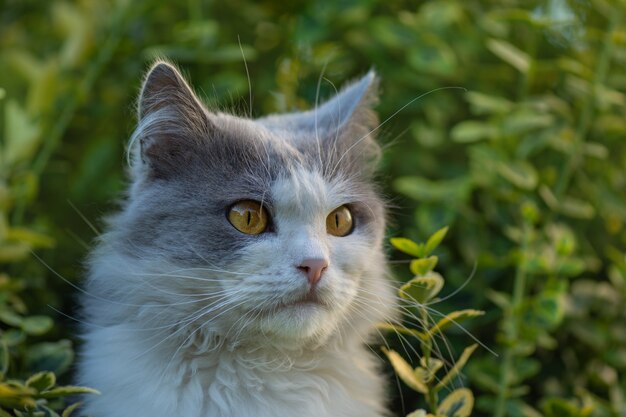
<point>246,228</point>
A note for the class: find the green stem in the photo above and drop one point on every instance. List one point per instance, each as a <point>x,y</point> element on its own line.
<point>584,122</point>
<point>431,397</point>
<point>511,318</point>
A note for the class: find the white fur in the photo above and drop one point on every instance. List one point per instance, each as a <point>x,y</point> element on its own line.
<point>233,359</point>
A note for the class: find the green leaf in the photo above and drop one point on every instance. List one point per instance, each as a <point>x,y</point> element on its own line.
<point>426,372</point>
<point>510,54</point>
<point>454,318</point>
<point>458,366</point>
<point>405,371</point>
<point>500,299</point>
<point>402,330</point>
<point>15,395</point>
<point>422,289</point>
<point>486,104</point>
<point>67,391</point>
<point>435,239</point>
<point>417,413</point>
<point>22,133</point>
<point>432,55</point>
<point>522,122</point>
<point>519,173</point>
<point>576,208</point>
<point>55,357</point>
<point>41,381</point>
<point>458,403</point>
<point>421,267</point>
<point>472,131</point>
<point>454,191</point>
<point>69,410</point>
<point>33,239</point>
<point>10,318</point>
<point>407,246</point>
<point>4,359</point>
<point>37,325</point>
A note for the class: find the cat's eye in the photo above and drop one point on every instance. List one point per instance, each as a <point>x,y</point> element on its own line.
<point>249,217</point>
<point>339,222</point>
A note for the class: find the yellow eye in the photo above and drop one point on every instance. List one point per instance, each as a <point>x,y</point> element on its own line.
<point>248,217</point>
<point>339,222</point>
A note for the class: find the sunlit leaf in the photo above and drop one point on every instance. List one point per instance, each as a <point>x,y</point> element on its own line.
<point>435,239</point>
<point>510,54</point>
<point>67,391</point>
<point>454,318</point>
<point>456,369</point>
<point>487,104</point>
<point>21,133</point>
<point>421,189</point>
<point>577,208</point>
<point>36,325</point>
<point>423,266</point>
<point>426,372</point>
<point>405,371</point>
<point>520,173</point>
<point>402,330</point>
<point>422,289</point>
<point>69,410</point>
<point>418,413</point>
<point>408,246</point>
<point>41,381</point>
<point>473,131</point>
<point>458,403</point>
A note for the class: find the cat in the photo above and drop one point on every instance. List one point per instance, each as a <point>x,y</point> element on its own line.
<point>245,273</point>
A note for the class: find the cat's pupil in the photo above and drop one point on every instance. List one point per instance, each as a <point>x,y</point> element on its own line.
<point>337,220</point>
<point>249,217</point>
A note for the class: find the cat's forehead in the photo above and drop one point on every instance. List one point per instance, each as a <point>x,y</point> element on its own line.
<point>288,152</point>
<point>305,192</point>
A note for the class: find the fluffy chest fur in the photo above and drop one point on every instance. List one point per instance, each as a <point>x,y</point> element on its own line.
<point>244,274</point>
<point>229,383</point>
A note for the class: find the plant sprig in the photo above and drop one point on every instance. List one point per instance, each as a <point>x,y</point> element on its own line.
<point>418,293</point>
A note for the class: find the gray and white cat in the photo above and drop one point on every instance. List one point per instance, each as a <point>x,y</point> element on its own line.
<point>245,272</point>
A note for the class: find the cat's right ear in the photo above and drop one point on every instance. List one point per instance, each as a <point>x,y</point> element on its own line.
<point>172,122</point>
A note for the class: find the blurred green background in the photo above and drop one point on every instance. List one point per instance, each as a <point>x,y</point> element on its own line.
<point>526,163</point>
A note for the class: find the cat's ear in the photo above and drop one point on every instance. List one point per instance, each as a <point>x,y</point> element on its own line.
<point>172,121</point>
<point>351,107</point>
<point>346,117</point>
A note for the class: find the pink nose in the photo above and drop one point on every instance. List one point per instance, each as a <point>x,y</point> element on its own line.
<point>313,268</point>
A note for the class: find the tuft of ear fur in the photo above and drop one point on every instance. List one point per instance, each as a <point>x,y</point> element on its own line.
<point>172,122</point>
<point>352,105</point>
<point>342,127</point>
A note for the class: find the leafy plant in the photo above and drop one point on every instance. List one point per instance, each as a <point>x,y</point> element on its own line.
<point>418,294</point>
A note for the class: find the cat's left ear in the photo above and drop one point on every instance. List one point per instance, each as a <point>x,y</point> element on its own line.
<point>351,108</point>
<point>346,116</point>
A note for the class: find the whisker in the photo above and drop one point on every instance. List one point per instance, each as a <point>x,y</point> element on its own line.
<point>391,117</point>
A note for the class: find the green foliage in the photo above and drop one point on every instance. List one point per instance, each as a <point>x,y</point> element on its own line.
<point>418,293</point>
<point>526,165</point>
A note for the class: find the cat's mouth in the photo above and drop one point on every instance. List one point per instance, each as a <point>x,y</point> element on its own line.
<point>310,298</point>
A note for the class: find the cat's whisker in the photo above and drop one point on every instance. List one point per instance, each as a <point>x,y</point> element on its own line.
<point>316,109</point>
<point>192,319</point>
<point>200,328</point>
<point>245,64</point>
<point>356,143</point>
<point>460,288</point>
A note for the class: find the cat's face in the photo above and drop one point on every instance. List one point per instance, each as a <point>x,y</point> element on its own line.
<point>267,227</point>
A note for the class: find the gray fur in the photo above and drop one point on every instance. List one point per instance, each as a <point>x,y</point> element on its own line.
<point>193,164</point>
<point>188,315</point>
